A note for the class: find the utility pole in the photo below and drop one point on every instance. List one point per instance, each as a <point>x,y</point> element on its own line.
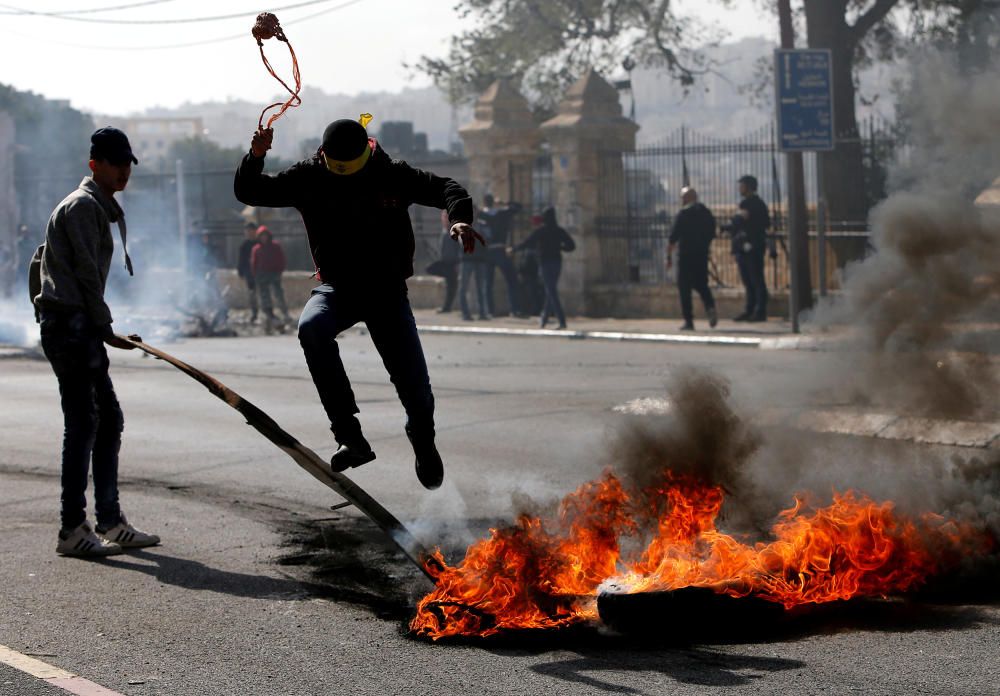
<point>800,294</point>
<point>182,229</point>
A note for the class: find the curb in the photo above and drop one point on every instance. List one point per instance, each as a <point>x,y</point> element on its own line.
<point>982,435</point>
<point>693,339</point>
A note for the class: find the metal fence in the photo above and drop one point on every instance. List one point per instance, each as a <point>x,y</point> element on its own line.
<point>640,193</point>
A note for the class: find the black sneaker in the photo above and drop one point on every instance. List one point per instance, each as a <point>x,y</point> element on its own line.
<point>352,453</point>
<point>742,317</point>
<point>430,468</point>
<point>688,326</point>
<point>713,317</point>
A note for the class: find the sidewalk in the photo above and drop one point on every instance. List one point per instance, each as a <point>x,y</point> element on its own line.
<point>728,332</point>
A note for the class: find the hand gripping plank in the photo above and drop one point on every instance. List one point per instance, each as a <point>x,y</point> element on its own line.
<point>306,458</point>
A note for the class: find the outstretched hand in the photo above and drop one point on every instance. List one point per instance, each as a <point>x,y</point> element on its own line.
<point>261,141</point>
<point>464,233</point>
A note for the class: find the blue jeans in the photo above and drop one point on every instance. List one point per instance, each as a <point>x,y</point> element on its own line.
<point>389,319</point>
<point>550,270</point>
<point>473,270</point>
<point>92,419</point>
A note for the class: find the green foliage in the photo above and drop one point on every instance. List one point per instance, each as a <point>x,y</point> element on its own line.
<point>544,45</point>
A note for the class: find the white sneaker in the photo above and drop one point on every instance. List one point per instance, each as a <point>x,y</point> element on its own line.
<point>126,536</point>
<point>82,541</point>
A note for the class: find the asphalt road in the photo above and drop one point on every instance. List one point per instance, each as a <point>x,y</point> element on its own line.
<point>259,588</point>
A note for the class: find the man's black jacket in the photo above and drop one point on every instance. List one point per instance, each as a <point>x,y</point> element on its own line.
<point>358,226</point>
<point>693,230</point>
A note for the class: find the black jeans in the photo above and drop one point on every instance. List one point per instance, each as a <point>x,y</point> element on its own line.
<point>390,322</point>
<point>450,286</point>
<point>473,272</point>
<point>551,270</point>
<point>93,420</point>
<point>692,274</point>
<point>498,259</point>
<point>751,265</point>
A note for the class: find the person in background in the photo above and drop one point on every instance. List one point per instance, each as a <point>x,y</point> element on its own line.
<point>500,220</point>
<point>244,269</point>
<point>267,261</point>
<point>473,268</point>
<point>446,265</point>
<point>693,231</point>
<point>550,241</point>
<point>749,235</point>
<point>67,279</point>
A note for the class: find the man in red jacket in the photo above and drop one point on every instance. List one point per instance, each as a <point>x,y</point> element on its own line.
<point>267,263</point>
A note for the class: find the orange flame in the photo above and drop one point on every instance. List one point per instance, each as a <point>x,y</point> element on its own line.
<point>538,574</point>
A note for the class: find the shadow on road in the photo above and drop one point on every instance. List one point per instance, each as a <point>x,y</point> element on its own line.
<point>691,666</point>
<point>194,575</point>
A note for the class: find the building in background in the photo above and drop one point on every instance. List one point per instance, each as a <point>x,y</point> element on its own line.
<point>152,136</point>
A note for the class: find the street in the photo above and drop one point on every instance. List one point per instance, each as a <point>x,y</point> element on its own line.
<point>259,588</point>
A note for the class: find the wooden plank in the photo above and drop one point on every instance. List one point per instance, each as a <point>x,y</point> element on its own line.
<point>306,458</point>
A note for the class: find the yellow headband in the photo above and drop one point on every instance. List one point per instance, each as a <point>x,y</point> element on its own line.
<point>351,167</point>
<point>355,165</point>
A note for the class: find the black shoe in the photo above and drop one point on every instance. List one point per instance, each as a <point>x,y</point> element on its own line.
<point>756,318</point>
<point>713,317</point>
<point>688,326</point>
<point>466,317</point>
<point>430,468</point>
<point>351,453</point>
<point>742,317</point>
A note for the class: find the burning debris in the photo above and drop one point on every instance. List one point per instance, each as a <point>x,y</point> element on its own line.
<point>660,526</point>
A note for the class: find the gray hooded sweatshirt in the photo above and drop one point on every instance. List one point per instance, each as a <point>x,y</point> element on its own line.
<point>77,256</point>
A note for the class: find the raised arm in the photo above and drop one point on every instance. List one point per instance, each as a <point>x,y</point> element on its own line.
<point>253,187</point>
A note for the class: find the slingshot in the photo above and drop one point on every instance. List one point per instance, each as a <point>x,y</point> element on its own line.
<point>267,27</point>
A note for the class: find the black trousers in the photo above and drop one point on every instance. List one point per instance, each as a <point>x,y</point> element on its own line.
<point>450,286</point>
<point>92,418</point>
<point>692,274</point>
<point>390,323</point>
<point>751,265</point>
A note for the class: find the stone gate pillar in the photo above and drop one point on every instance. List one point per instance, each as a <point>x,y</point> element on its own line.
<point>586,139</point>
<point>502,134</point>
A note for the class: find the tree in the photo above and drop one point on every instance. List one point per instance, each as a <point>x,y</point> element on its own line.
<point>544,45</point>
<point>859,32</point>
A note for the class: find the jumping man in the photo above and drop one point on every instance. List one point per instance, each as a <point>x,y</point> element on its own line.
<point>354,199</point>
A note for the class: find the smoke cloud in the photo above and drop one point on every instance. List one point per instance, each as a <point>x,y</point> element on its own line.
<point>936,273</point>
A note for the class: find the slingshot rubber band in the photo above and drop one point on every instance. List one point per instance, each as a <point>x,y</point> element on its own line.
<point>268,27</point>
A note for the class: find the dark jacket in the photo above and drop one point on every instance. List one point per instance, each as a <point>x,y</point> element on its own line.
<point>243,269</point>
<point>500,221</point>
<point>550,240</point>
<point>758,222</point>
<point>693,232</point>
<point>358,226</point>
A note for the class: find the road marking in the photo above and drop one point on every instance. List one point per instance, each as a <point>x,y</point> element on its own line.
<point>67,681</point>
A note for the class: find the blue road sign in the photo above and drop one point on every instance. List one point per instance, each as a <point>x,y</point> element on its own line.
<point>804,98</point>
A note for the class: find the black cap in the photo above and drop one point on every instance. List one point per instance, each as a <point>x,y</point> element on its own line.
<point>749,180</point>
<point>111,145</point>
<point>344,140</point>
